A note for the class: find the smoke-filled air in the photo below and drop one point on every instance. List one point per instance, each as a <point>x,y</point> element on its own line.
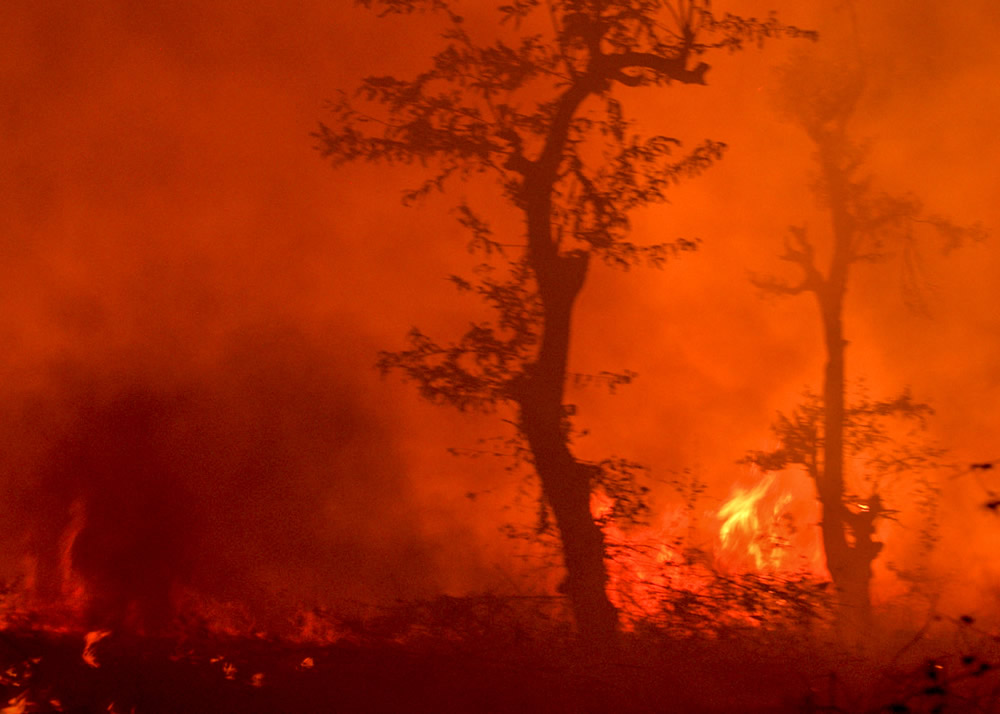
<point>499,356</point>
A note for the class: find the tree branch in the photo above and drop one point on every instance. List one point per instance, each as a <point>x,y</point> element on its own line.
<point>516,161</point>
<point>798,250</point>
<point>669,68</point>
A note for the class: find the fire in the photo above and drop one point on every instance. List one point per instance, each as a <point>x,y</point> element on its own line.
<point>71,585</point>
<point>17,705</point>
<point>755,522</point>
<point>673,564</point>
<point>681,559</point>
<point>648,562</point>
<point>90,641</point>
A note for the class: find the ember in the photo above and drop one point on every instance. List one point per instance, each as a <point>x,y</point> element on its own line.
<point>89,641</point>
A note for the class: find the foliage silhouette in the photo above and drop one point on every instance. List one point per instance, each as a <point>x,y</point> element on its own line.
<point>537,108</point>
<point>821,96</point>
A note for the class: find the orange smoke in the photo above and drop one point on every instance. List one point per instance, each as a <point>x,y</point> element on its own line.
<point>168,229</point>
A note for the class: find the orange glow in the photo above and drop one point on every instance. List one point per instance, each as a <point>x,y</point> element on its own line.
<point>90,640</point>
<point>761,530</point>
<point>751,530</point>
<point>71,586</point>
<point>194,437</point>
<point>17,705</point>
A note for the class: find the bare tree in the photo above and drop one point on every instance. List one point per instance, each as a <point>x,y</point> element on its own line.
<point>866,225</point>
<point>539,110</point>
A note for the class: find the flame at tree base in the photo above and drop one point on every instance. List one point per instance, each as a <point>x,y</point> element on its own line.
<point>759,566</point>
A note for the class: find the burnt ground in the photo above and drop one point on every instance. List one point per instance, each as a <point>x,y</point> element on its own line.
<point>466,665</point>
<point>218,675</point>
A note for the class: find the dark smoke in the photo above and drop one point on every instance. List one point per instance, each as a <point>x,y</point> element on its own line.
<point>266,481</point>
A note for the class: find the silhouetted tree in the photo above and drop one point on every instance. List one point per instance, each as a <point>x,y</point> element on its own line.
<point>866,225</point>
<point>539,110</point>
<point>886,439</point>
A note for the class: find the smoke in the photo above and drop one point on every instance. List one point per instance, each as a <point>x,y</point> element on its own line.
<point>263,478</point>
<point>192,300</point>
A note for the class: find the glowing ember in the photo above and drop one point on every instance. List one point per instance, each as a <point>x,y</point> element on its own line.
<point>18,705</point>
<point>90,640</point>
<point>314,628</point>
<point>70,585</point>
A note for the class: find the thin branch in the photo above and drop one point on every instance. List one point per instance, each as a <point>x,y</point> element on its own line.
<point>668,68</point>
<point>799,250</point>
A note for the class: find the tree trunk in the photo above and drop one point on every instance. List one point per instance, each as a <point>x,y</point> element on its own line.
<point>566,482</point>
<point>848,536</point>
<point>847,558</point>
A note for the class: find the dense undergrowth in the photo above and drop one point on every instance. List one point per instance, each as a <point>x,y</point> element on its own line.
<point>510,654</point>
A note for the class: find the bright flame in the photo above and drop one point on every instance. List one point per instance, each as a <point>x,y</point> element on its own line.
<point>18,705</point>
<point>750,526</point>
<point>90,640</point>
<point>671,565</point>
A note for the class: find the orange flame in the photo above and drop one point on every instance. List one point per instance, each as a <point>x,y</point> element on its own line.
<point>650,567</point>
<point>18,705</point>
<point>90,640</point>
<point>73,591</point>
<point>752,522</point>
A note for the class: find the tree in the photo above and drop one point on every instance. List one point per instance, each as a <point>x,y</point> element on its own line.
<point>538,109</point>
<point>866,224</point>
<point>887,439</point>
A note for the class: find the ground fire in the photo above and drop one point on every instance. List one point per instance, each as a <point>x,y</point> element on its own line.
<point>630,356</point>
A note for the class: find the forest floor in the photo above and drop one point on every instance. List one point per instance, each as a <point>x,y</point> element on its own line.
<point>473,655</point>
